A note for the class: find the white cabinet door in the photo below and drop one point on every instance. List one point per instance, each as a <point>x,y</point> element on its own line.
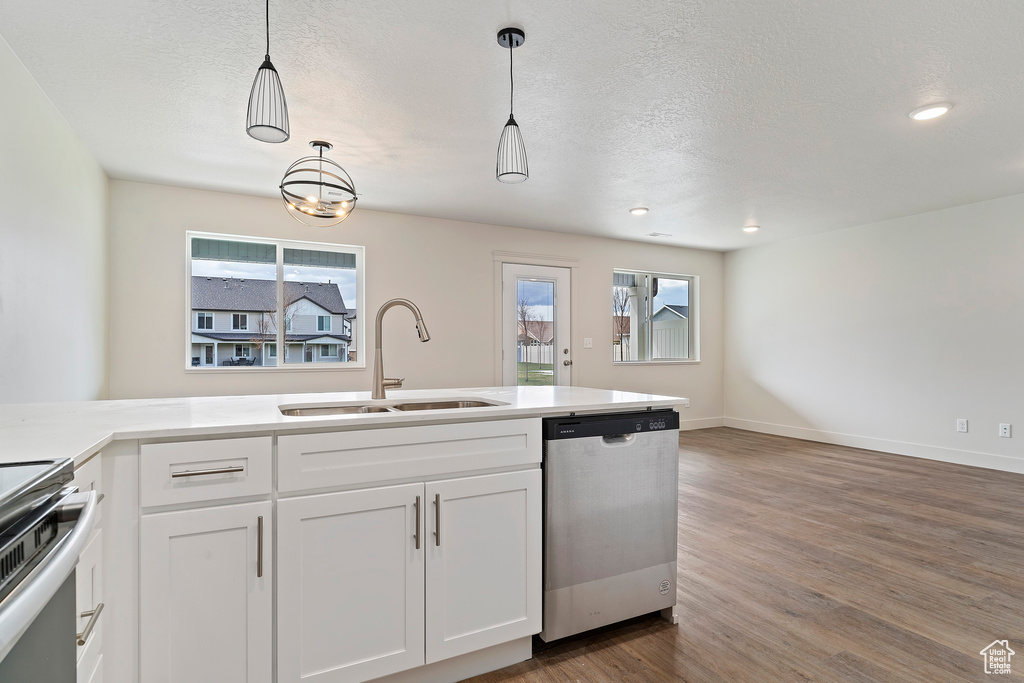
<point>205,614</point>
<point>484,571</point>
<point>350,588</point>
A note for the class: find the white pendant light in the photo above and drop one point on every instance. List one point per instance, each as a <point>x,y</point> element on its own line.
<point>267,118</point>
<point>511,166</point>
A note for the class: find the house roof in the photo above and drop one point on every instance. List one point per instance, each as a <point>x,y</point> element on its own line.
<point>246,294</point>
<point>681,311</point>
<point>250,336</point>
<point>541,330</point>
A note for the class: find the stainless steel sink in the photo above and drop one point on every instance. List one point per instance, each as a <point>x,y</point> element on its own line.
<point>357,409</point>
<point>440,405</point>
<point>332,410</point>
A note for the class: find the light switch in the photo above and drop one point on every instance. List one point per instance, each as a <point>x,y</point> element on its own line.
<point>588,342</point>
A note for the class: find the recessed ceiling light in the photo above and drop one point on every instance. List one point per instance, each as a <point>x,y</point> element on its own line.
<point>751,228</point>
<point>658,234</point>
<point>639,211</point>
<point>930,111</point>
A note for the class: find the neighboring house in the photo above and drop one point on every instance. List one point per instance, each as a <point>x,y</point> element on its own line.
<point>670,329</point>
<point>235,319</point>
<point>535,340</point>
<point>671,333</point>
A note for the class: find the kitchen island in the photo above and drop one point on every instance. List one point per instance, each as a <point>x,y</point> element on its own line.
<point>239,543</point>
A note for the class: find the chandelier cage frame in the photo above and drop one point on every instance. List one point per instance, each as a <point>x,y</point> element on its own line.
<point>317,210</point>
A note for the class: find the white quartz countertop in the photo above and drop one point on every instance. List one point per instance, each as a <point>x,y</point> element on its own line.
<point>33,431</point>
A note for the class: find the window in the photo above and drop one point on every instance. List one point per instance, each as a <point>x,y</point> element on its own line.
<point>654,317</point>
<point>259,282</point>
<point>329,350</point>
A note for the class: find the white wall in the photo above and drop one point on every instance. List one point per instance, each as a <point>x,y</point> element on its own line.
<point>53,250</point>
<point>881,336</point>
<point>446,267</point>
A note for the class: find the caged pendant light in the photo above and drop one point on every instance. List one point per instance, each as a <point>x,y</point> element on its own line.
<point>267,118</point>
<point>317,191</point>
<point>511,167</point>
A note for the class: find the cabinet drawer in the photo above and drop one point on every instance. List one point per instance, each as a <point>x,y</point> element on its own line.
<point>194,471</point>
<point>314,461</point>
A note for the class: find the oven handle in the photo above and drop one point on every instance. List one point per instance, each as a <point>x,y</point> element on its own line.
<point>19,609</point>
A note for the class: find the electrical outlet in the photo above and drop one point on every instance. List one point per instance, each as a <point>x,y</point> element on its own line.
<point>961,425</point>
<point>588,343</point>
<point>1004,430</point>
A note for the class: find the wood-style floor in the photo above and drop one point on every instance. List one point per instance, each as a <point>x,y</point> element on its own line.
<point>801,561</point>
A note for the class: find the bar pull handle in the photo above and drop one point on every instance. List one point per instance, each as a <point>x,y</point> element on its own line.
<point>93,615</point>
<point>259,547</point>
<point>417,522</point>
<point>437,518</point>
<point>202,473</point>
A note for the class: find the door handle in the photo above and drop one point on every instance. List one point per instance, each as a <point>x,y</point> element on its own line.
<point>93,615</point>
<point>437,518</point>
<point>259,547</point>
<point>417,522</point>
<point>566,363</point>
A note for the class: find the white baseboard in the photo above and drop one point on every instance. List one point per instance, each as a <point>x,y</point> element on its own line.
<point>702,423</point>
<point>990,461</point>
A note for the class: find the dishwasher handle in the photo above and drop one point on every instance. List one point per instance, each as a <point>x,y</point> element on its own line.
<point>618,439</point>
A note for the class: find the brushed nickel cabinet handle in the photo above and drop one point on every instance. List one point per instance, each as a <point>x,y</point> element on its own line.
<point>259,547</point>
<point>437,518</point>
<point>417,522</point>
<point>201,473</point>
<point>93,615</point>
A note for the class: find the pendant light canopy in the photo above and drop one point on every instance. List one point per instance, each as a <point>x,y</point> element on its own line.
<point>267,119</point>
<point>512,166</point>
<point>317,191</point>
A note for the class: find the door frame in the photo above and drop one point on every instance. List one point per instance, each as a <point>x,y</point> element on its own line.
<point>500,258</point>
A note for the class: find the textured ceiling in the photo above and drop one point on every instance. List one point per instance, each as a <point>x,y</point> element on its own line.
<point>714,113</point>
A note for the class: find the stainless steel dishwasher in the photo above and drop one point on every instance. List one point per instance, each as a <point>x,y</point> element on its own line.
<point>611,486</point>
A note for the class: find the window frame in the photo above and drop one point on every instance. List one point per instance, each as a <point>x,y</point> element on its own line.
<point>326,320</point>
<point>693,323</point>
<point>236,322</point>
<point>200,315</point>
<point>358,331</point>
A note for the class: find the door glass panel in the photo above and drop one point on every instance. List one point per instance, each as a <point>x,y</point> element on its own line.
<point>535,348</point>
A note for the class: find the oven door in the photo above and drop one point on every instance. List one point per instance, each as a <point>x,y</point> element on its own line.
<point>37,619</point>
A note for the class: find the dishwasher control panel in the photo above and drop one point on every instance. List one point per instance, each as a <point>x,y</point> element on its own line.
<point>610,424</point>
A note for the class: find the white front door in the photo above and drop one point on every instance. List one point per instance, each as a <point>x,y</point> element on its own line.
<point>536,347</point>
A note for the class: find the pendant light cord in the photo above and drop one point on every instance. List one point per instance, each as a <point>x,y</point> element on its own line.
<point>268,30</point>
<point>511,80</point>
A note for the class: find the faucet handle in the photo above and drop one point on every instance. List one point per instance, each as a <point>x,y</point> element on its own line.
<point>393,383</point>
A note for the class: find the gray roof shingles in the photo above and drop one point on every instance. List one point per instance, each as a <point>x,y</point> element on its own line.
<point>245,294</point>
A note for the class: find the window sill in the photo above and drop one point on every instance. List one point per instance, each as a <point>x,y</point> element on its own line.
<point>296,367</point>
<point>628,363</point>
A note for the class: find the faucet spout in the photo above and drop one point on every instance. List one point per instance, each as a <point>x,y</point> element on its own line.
<point>380,383</point>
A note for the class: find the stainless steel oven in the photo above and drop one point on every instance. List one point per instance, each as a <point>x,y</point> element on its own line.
<point>44,525</point>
